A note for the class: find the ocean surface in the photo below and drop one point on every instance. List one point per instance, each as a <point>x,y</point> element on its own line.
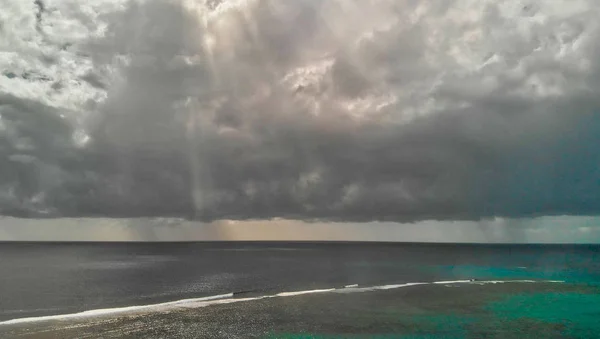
<point>47,279</point>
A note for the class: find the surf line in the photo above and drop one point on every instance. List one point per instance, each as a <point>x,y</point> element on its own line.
<point>228,298</point>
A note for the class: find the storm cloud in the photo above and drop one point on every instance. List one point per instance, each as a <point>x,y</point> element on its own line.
<point>340,110</point>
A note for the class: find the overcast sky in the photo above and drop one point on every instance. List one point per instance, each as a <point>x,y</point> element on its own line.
<point>474,120</point>
<point>538,230</point>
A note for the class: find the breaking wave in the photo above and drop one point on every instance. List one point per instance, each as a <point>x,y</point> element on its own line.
<point>230,298</point>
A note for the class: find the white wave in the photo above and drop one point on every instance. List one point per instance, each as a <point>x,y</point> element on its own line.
<point>452,282</point>
<point>389,287</point>
<point>289,294</point>
<point>118,310</point>
<point>228,299</point>
<point>200,304</point>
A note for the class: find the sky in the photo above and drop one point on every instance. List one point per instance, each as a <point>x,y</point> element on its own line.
<point>537,230</point>
<point>471,120</point>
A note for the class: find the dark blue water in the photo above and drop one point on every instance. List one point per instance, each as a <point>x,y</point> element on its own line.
<point>55,278</point>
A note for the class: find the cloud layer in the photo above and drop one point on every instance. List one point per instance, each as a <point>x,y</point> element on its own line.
<point>340,110</point>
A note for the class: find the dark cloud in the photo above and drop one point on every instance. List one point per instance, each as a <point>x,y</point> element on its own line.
<point>328,110</point>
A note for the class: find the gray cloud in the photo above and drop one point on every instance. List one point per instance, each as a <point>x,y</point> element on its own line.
<point>312,110</point>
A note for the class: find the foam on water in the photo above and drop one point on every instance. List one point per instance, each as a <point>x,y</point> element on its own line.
<point>289,294</point>
<point>228,298</point>
<point>443,282</point>
<point>118,310</point>
<point>389,287</point>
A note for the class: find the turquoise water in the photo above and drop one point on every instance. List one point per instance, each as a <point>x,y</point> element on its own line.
<point>578,313</point>
<point>531,315</point>
<point>525,315</point>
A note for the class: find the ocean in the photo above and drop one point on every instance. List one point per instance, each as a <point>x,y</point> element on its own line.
<point>308,290</point>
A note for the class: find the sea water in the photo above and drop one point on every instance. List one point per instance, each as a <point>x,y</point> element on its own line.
<point>62,280</point>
